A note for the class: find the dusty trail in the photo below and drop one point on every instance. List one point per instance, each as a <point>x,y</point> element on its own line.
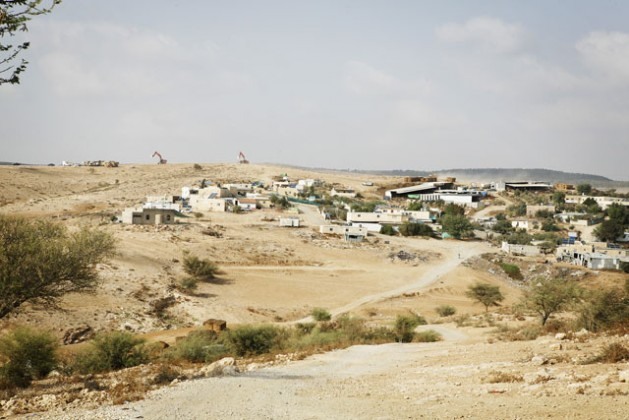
<point>450,261</point>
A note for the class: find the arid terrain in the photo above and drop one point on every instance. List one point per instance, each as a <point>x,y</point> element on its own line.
<point>271,274</point>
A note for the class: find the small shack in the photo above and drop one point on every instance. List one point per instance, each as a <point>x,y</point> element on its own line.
<point>148,216</point>
<point>289,222</point>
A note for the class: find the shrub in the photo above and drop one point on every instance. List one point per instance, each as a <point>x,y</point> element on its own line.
<point>405,326</point>
<point>202,269</point>
<point>526,332</point>
<point>512,271</point>
<point>320,314</point>
<point>429,336</point>
<point>197,167</point>
<point>165,375</point>
<point>445,310</point>
<point>605,309</point>
<point>388,230</point>
<point>415,229</point>
<point>111,351</point>
<point>612,353</point>
<point>188,284</point>
<point>200,346</point>
<point>253,340</point>
<point>27,354</point>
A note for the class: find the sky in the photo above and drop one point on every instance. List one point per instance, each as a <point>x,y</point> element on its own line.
<point>364,84</point>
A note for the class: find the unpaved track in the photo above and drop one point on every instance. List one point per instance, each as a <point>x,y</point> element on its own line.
<point>464,250</point>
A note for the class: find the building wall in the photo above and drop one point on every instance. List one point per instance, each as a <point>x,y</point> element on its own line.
<point>526,250</point>
<point>341,230</point>
<point>376,217</point>
<point>148,216</point>
<point>200,203</point>
<point>289,222</point>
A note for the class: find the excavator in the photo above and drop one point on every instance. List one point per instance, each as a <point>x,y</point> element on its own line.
<point>162,161</point>
<point>242,158</point>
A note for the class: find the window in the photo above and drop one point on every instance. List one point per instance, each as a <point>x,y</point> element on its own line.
<point>168,217</point>
<point>148,217</point>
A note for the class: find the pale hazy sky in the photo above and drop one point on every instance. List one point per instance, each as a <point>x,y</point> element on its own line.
<point>339,84</point>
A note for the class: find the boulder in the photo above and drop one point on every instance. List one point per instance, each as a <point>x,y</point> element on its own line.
<point>225,366</point>
<point>216,325</point>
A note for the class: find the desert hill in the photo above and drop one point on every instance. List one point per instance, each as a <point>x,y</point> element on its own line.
<point>270,274</point>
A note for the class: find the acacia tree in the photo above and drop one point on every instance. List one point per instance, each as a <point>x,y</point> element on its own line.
<point>458,226</point>
<point>14,15</point>
<point>547,296</point>
<point>40,261</point>
<point>486,294</point>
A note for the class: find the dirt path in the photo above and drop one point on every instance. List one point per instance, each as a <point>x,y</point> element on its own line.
<point>464,250</point>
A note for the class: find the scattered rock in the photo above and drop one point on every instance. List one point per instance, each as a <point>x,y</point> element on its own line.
<point>78,334</point>
<point>539,360</point>
<point>224,367</point>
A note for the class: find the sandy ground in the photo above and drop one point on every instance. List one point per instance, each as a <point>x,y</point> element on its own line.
<point>273,274</point>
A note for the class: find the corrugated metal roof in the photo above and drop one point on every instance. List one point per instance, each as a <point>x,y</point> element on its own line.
<point>421,187</point>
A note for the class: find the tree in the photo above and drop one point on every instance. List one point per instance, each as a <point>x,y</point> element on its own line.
<point>40,261</point>
<point>547,296</point>
<point>559,198</point>
<point>457,226</point>
<point>609,231</point>
<point>415,229</point>
<point>486,294</point>
<point>618,213</point>
<point>584,189</point>
<point>14,15</point>
<point>415,205</point>
<point>590,206</point>
<point>454,209</point>
<point>518,209</point>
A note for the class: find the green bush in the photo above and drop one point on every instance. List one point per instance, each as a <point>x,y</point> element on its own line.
<point>201,346</point>
<point>405,326</point>
<point>202,269</point>
<point>40,261</point>
<point>415,229</point>
<point>512,271</point>
<point>428,336</point>
<point>111,351</point>
<point>445,310</point>
<point>320,314</point>
<point>253,340</point>
<point>27,354</point>
<point>388,230</point>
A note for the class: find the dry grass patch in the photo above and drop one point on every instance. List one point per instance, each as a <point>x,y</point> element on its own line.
<point>498,377</point>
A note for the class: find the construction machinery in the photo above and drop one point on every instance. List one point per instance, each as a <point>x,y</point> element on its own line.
<point>242,158</point>
<point>162,161</point>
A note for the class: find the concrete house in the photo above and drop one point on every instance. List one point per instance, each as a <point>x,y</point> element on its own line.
<point>148,216</point>
<point>342,230</point>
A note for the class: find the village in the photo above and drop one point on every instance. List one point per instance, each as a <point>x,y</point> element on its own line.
<point>543,219</point>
